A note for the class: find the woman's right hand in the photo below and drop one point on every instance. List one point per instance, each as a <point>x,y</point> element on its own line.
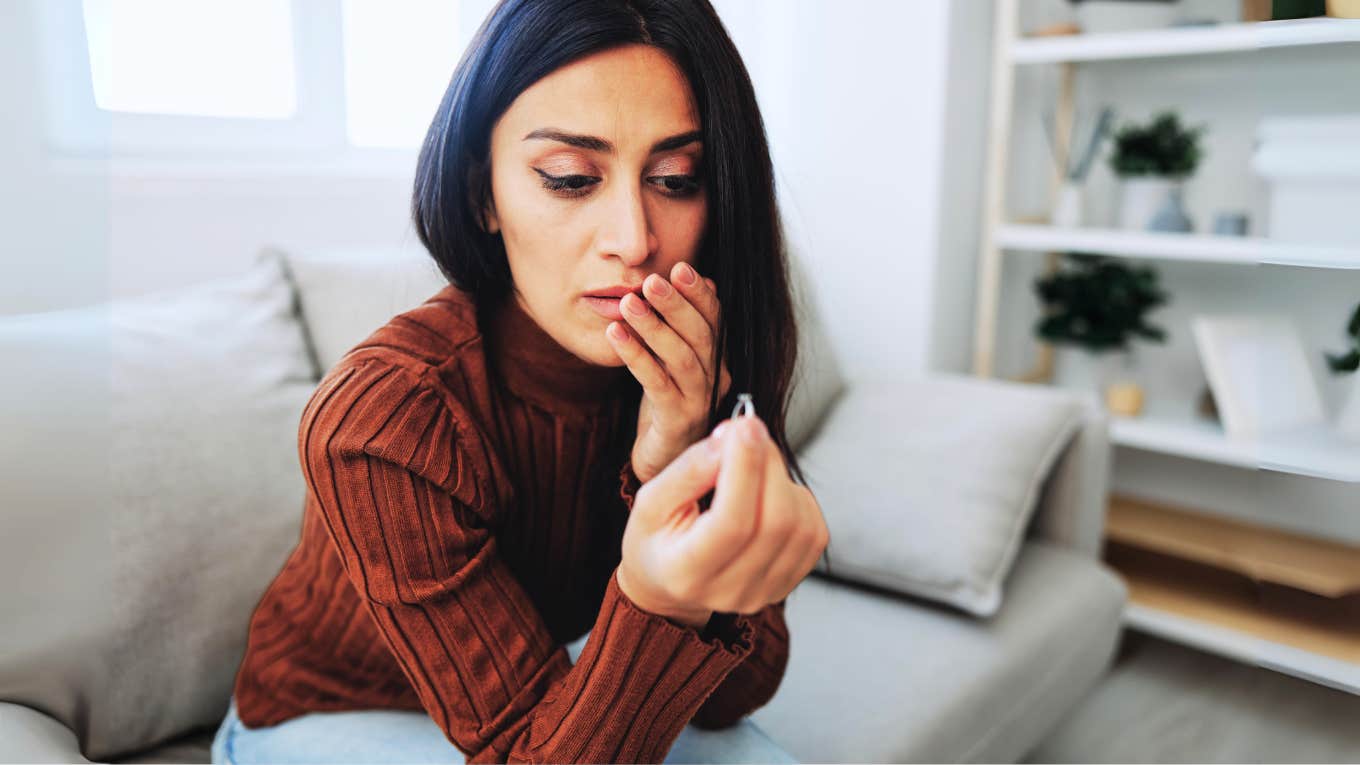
<point>759,538</point>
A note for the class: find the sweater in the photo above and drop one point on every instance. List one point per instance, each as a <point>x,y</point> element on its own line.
<point>467,487</point>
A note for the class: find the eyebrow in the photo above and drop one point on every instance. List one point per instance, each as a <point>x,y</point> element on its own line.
<point>591,143</point>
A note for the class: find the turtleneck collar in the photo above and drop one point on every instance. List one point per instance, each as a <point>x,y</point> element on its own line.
<point>538,369</point>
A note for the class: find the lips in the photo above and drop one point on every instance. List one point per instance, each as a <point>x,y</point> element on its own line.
<point>604,306</point>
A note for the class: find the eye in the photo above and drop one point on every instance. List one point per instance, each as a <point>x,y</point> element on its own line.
<point>677,185</point>
<point>567,185</point>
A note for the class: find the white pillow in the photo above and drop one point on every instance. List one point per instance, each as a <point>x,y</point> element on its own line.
<point>927,486</point>
<point>150,490</point>
<point>348,293</point>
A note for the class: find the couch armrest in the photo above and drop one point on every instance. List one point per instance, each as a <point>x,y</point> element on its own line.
<point>1071,510</point>
<point>27,735</point>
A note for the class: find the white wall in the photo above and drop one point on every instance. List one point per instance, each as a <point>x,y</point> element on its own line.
<point>874,111</point>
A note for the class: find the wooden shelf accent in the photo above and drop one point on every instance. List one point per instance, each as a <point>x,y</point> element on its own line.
<point>1274,626</point>
<point>1320,566</point>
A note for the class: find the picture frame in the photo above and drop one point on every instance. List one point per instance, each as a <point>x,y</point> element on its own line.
<point>1258,370</point>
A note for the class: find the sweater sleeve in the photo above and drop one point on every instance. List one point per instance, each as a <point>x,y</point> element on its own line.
<point>403,495</point>
<point>753,682</point>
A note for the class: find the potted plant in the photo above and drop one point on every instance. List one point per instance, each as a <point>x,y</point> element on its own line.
<point>1093,308</point>
<point>1152,162</point>
<point>1347,363</point>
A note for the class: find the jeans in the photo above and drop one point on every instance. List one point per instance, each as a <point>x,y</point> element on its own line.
<point>401,736</point>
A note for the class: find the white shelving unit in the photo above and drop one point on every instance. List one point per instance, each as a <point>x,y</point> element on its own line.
<point>1186,41</point>
<point>1189,614</point>
<point>1199,248</point>
<point>1313,451</point>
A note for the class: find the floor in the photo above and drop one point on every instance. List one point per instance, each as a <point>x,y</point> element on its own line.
<point>1163,702</point>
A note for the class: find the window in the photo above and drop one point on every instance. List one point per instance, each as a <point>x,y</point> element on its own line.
<point>398,60</point>
<point>172,57</point>
<point>291,81</point>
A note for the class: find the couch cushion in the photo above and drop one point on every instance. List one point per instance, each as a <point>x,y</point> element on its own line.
<point>874,676</point>
<point>151,490</point>
<point>928,485</point>
<point>348,292</point>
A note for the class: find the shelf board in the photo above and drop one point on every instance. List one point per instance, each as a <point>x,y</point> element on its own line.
<point>1185,41</point>
<point>1316,639</point>
<point>1198,248</point>
<point>1316,451</point>
<point>1320,566</point>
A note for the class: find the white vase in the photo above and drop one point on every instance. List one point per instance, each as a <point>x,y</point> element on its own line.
<point>1106,16</point>
<point>1083,371</point>
<point>1141,198</point>
<point>1348,424</point>
<point>1067,211</point>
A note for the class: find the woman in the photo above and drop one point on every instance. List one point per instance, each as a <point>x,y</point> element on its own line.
<point>517,464</point>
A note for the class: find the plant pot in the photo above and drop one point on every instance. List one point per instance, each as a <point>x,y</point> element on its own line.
<point>1106,378</point>
<point>1067,212</point>
<point>1142,199</point>
<point>1348,424</point>
<point>1104,16</point>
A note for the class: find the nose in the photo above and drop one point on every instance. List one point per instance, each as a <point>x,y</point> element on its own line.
<point>625,230</point>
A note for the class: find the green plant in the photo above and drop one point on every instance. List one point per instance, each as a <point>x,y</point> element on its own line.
<point>1350,360</point>
<point>1098,303</point>
<point>1163,147</point>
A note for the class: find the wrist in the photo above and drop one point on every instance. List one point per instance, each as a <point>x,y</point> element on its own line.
<point>690,617</point>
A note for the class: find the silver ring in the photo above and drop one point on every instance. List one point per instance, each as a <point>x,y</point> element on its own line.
<point>744,405</point>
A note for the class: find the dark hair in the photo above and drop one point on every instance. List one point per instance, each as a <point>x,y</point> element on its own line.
<point>742,247</point>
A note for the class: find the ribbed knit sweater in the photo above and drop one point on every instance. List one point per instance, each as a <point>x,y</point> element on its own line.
<point>468,484</point>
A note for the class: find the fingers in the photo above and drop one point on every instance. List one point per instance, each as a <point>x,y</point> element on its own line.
<point>655,380</point>
<point>733,518</point>
<point>785,533</point>
<point>679,321</point>
<point>684,481</point>
<point>680,359</point>
<point>800,551</point>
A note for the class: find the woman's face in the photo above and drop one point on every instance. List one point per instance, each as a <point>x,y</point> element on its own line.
<point>589,193</point>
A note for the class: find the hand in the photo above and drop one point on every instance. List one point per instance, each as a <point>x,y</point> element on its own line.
<point>677,380</point>
<point>758,540</point>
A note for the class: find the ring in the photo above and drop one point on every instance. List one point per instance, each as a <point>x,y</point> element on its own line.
<point>744,404</point>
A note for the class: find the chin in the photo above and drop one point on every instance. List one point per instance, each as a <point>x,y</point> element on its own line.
<point>600,352</point>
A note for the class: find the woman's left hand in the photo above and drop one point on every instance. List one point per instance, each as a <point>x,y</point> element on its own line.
<point>680,326</point>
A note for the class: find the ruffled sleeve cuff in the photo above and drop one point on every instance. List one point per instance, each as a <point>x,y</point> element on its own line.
<point>628,483</point>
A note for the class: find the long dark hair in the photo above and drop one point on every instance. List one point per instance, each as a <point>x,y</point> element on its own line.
<point>742,247</point>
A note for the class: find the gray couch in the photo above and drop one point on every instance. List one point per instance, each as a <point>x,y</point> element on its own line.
<point>133,661</point>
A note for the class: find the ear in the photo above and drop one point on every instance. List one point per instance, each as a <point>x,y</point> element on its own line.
<point>485,215</point>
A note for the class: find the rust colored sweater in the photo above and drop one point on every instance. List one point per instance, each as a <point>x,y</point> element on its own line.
<point>466,497</point>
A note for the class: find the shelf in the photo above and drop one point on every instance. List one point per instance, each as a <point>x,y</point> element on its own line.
<point>1185,41</point>
<point>1320,566</point>
<point>1197,248</point>
<point>1315,451</point>
<point>1299,634</point>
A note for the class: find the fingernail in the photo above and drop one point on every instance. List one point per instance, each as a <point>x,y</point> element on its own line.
<point>637,306</point>
<point>686,275</point>
<point>718,431</point>
<point>753,431</point>
<point>660,287</point>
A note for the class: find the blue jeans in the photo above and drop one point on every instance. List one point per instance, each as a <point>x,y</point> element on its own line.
<point>401,736</point>
<point>392,736</point>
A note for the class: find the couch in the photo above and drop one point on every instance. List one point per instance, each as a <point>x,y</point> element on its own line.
<point>151,490</point>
